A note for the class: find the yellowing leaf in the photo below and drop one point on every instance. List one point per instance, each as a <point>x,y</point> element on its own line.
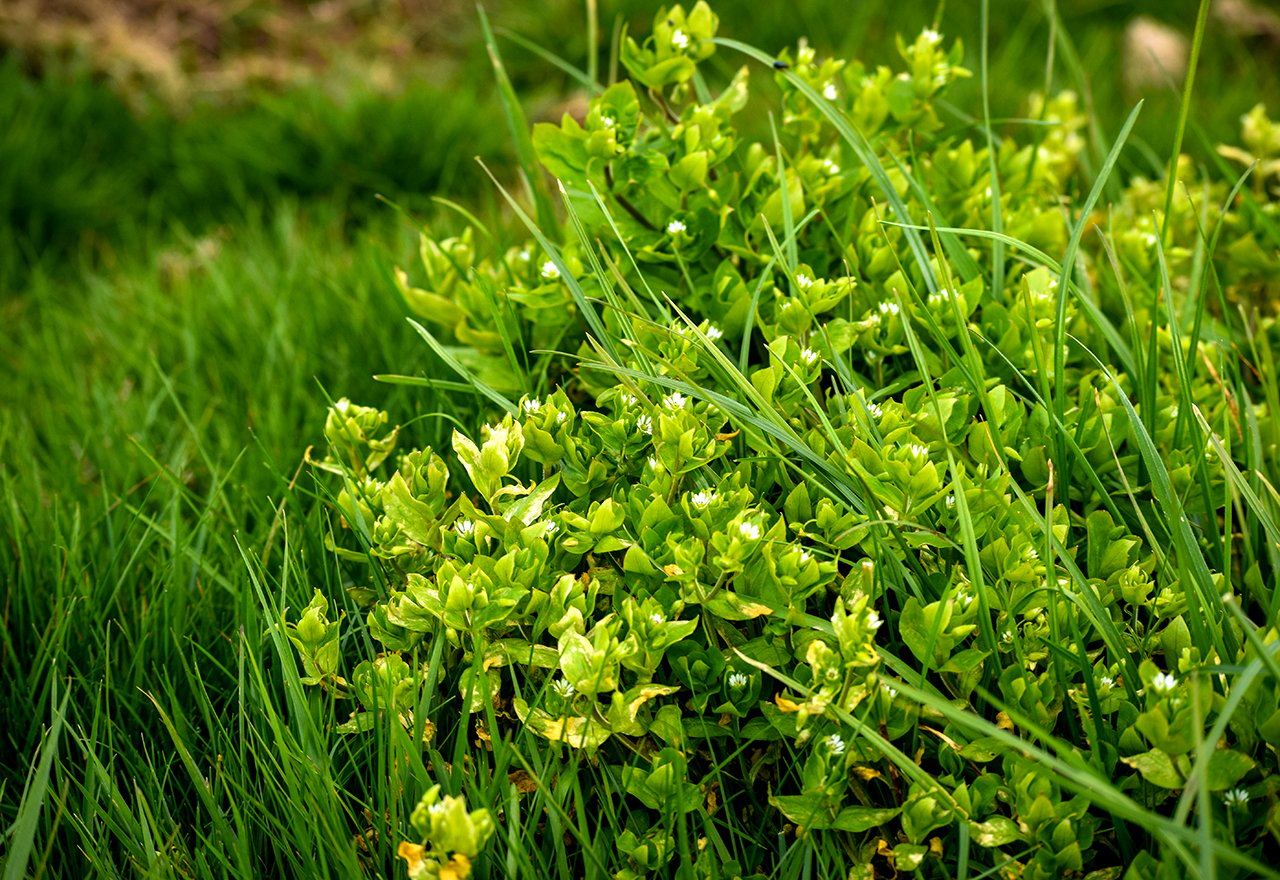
<point>412,853</point>
<point>457,868</point>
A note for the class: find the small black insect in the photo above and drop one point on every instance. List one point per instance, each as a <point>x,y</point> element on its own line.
<point>781,65</point>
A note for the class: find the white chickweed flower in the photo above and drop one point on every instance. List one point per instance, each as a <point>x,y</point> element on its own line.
<point>830,167</point>
<point>749,530</point>
<point>628,399</point>
<point>835,742</point>
<point>965,598</point>
<point>552,527</point>
<point>805,556</point>
<point>549,270</point>
<point>607,122</point>
<point>702,499</point>
<point>561,416</point>
<point>1106,682</point>
<point>675,226</point>
<point>654,463</point>
<point>1164,683</point>
<point>713,333</point>
<point>918,450</point>
<point>737,680</point>
<point>930,36</point>
<point>889,308</point>
<point>873,620</point>
<point>829,91</point>
<point>680,39</point>
<point>563,688</point>
<point>644,424</point>
<point>874,410</point>
<point>674,400</point>
<point>1236,797</point>
<point>531,406</point>
<point>809,356</point>
<point>804,282</point>
<point>657,619</point>
<point>464,527</point>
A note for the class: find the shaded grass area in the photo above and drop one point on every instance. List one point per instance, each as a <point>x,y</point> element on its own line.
<point>83,176</point>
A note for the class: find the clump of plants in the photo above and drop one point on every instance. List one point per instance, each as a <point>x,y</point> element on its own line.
<point>873,494</point>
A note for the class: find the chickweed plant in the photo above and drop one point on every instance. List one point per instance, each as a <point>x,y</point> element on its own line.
<point>870,499</point>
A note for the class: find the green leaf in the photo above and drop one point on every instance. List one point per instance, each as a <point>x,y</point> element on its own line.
<point>996,831</point>
<point>859,819</point>
<point>1226,768</point>
<point>1157,768</point>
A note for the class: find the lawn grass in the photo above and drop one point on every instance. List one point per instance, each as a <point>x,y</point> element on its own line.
<point>170,334</point>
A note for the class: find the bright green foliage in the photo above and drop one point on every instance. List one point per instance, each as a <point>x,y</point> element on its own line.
<point>848,523</point>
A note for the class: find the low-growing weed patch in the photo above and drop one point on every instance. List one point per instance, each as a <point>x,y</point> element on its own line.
<point>875,499</point>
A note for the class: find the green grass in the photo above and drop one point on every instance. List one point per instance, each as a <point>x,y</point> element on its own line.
<point>178,300</point>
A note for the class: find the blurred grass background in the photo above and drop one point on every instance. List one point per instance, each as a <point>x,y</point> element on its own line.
<point>193,255</point>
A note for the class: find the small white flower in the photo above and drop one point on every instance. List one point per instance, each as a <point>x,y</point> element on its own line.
<point>628,399</point>
<point>525,254</point>
<point>531,406</point>
<point>549,270</point>
<point>874,410</point>
<point>653,463</point>
<point>674,400</point>
<point>680,39</point>
<point>749,530</point>
<point>552,527</point>
<point>657,619</point>
<point>737,680</point>
<point>830,167</point>
<point>714,333</point>
<point>889,689</point>
<point>437,809</point>
<point>930,36</point>
<point>1164,683</point>
<point>607,122</point>
<point>560,417</point>
<point>1007,636</point>
<point>965,598</point>
<point>950,501</point>
<point>786,304</point>
<point>829,91</point>
<point>1236,797</point>
<point>835,742</point>
<point>464,527</point>
<point>644,424</point>
<point>563,688</point>
<point>889,308</point>
<point>702,499</point>
<point>918,450</point>
<point>804,282</point>
<point>675,226</point>
<point>873,620</point>
<point>1106,682</point>
<point>941,297</point>
<point>1031,553</point>
<point>809,356</point>
<point>1149,239</point>
<point>805,556</point>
